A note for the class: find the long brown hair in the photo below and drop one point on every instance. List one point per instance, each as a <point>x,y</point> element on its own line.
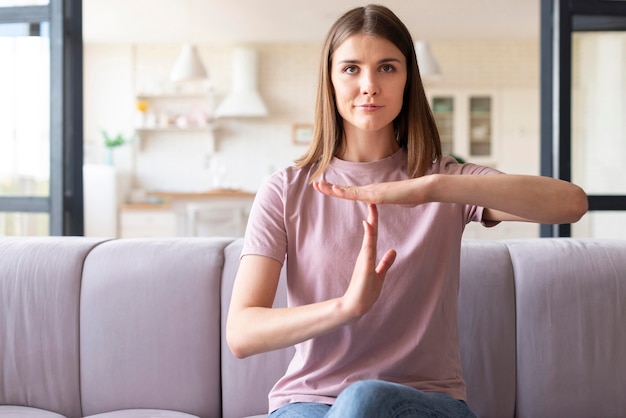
<point>414,127</point>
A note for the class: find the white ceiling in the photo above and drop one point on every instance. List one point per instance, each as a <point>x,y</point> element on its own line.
<point>253,21</point>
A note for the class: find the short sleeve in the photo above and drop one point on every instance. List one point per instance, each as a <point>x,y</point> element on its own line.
<point>266,233</point>
<point>472,213</point>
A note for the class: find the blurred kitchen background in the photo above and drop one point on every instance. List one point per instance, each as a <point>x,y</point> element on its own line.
<point>170,150</point>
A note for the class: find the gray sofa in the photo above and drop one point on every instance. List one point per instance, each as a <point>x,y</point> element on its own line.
<point>134,328</point>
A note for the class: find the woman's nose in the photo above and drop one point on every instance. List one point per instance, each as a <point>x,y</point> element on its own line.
<point>369,85</point>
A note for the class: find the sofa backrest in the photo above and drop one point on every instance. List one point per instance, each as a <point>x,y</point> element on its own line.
<point>150,326</point>
<point>92,325</point>
<point>40,281</point>
<point>487,328</point>
<point>571,327</point>
<point>246,383</point>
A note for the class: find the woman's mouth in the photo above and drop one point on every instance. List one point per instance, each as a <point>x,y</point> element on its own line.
<point>369,107</point>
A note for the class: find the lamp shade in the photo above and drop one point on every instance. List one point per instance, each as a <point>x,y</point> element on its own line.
<point>425,60</point>
<point>188,65</point>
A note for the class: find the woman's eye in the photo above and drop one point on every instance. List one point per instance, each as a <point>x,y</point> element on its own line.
<point>351,69</point>
<point>387,68</point>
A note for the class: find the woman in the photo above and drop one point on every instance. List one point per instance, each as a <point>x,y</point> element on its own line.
<point>375,335</point>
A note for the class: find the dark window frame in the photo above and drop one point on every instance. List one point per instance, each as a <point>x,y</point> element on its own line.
<point>65,201</point>
<point>559,20</point>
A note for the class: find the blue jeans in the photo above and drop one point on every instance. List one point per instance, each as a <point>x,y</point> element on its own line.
<point>379,399</point>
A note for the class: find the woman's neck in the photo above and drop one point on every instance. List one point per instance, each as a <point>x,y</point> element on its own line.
<point>366,146</point>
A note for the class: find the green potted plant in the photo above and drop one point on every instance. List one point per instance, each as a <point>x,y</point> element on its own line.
<point>111,142</point>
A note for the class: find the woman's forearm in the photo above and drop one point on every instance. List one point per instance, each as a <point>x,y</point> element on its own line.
<point>254,326</point>
<point>513,197</point>
<point>255,330</point>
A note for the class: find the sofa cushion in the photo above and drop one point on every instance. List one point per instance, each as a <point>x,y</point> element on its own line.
<point>40,282</point>
<point>246,383</point>
<point>142,413</point>
<point>487,328</point>
<point>150,326</point>
<point>571,316</point>
<point>27,412</point>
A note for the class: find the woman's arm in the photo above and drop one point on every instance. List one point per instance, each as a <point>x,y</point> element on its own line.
<point>505,197</point>
<point>253,326</point>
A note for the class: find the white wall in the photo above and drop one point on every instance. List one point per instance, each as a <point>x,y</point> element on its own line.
<point>248,148</point>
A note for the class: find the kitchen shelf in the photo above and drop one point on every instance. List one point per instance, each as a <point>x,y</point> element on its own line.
<point>174,133</point>
<point>199,96</point>
<point>161,116</point>
<point>174,129</point>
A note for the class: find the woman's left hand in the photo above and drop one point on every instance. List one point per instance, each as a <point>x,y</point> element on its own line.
<point>404,192</point>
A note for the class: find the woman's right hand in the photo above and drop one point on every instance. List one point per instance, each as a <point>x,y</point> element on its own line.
<point>367,278</point>
<point>254,326</point>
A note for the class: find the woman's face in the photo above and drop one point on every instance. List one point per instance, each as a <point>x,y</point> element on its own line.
<point>368,75</point>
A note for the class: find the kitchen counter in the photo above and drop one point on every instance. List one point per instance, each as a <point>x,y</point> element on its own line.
<point>208,213</point>
<point>145,206</point>
<point>209,194</point>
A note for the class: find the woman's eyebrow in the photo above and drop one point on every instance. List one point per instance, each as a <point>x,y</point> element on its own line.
<point>381,61</point>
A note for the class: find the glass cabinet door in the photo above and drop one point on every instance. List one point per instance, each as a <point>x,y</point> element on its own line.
<point>443,111</point>
<point>480,118</point>
<point>465,122</point>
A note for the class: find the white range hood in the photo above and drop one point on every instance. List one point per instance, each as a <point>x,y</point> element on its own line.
<point>244,99</point>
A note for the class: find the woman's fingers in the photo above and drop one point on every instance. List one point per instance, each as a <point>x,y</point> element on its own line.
<point>370,236</point>
<point>390,256</point>
<point>385,263</point>
<point>372,217</point>
<point>367,279</point>
<point>344,192</point>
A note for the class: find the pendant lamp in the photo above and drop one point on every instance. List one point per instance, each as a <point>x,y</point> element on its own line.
<point>188,65</point>
<point>425,60</point>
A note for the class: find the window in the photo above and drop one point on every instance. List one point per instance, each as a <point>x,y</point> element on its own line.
<point>582,107</point>
<point>41,111</point>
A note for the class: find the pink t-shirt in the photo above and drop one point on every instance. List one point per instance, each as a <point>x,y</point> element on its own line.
<point>410,335</point>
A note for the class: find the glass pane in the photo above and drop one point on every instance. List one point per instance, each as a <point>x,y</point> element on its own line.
<point>25,111</point>
<point>12,3</point>
<point>601,224</point>
<point>598,112</point>
<point>24,224</point>
<point>443,111</point>
<point>480,126</point>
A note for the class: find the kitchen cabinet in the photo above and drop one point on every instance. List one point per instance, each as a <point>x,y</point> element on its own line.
<point>176,115</point>
<point>187,214</point>
<point>466,121</point>
<point>147,220</point>
<point>216,212</point>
